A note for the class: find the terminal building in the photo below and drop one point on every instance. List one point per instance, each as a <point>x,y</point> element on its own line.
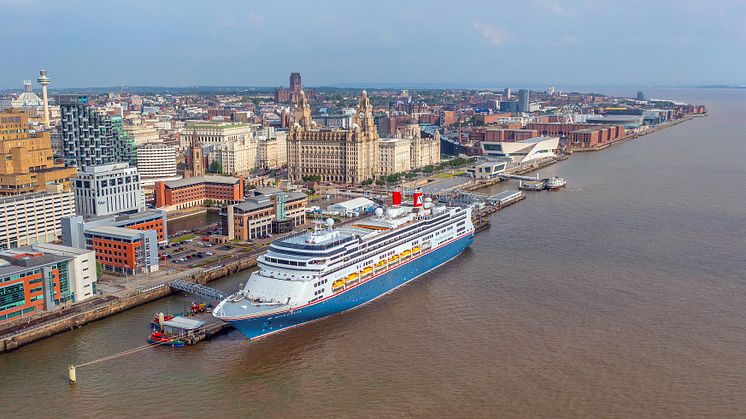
<point>269,211</point>
<point>37,278</point>
<point>522,151</point>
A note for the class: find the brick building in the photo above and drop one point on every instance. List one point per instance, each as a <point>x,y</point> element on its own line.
<point>195,191</point>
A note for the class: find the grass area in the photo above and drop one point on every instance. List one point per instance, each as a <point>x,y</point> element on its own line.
<point>443,176</point>
<point>182,238</point>
<point>209,261</point>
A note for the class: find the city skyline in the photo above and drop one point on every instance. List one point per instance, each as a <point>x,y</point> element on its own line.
<point>571,43</point>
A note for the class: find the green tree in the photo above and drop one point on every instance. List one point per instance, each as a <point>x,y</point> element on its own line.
<point>208,202</point>
<point>99,269</point>
<point>216,167</point>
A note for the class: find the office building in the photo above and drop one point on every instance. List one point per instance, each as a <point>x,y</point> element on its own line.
<point>523,101</point>
<point>33,217</point>
<point>196,191</point>
<point>124,250</point>
<point>89,137</point>
<point>270,212</point>
<point>334,155</point>
<point>396,155</point>
<point>81,268</point>
<point>143,134</point>
<point>27,160</point>
<point>212,133</point>
<point>37,278</point>
<point>108,189</point>
<point>271,149</point>
<point>522,151</point>
<point>235,157</point>
<point>156,162</point>
<point>73,228</point>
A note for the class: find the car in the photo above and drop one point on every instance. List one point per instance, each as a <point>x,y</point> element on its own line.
<point>209,253</point>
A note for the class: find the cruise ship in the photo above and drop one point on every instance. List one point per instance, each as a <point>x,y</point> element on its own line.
<point>316,274</point>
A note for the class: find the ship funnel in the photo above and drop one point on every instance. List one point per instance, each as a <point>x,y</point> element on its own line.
<point>396,198</point>
<point>417,199</point>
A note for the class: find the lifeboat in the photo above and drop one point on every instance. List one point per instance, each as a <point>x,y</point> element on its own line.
<point>380,264</point>
<point>351,278</point>
<point>338,284</point>
<point>406,253</point>
<point>366,271</point>
<point>393,258</point>
<point>415,249</point>
<point>159,338</point>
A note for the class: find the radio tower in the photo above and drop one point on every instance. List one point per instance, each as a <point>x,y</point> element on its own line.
<point>44,81</point>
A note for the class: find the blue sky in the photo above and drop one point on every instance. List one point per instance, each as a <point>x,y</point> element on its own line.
<point>531,42</point>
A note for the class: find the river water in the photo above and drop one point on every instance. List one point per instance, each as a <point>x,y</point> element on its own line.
<point>623,295</point>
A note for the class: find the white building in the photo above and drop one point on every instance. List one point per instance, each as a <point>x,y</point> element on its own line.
<point>108,189</point>
<point>235,157</point>
<point>156,161</point>
<point>33,218</point>
<point>396,155</point>
<point>271,149</point>
<point>81,268</point>
<point>522,151</point>
<point>143,134</point>
<point>488,170</point>
<point>215,133</point>
<point>351,208</point>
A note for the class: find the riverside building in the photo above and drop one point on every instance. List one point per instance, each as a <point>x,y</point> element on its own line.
<point>36,279</point>
<point>196,191</point>
<point>334,155</point>
<point>33,217</point>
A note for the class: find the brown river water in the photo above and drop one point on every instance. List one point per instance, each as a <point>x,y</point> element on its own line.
<point>623,295</point>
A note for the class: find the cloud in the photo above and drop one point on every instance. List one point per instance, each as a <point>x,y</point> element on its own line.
<point>492,34</point>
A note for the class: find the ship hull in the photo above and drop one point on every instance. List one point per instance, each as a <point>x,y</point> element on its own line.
<point>365,292</point>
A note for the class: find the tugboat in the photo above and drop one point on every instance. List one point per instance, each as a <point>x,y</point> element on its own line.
<point>159,338</point>
<point>555,183</point>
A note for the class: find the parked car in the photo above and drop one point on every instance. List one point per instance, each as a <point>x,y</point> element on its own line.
<point>209,253</point>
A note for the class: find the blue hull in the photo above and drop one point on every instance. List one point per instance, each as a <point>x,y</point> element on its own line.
<point>361,294</point>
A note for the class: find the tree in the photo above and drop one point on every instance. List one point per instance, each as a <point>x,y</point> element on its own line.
<point>312,178</point>
<point>367,182</point>
<point>99,269</point>
<point>208,202</point>
<point>410,175</point>
<point>216,167</point>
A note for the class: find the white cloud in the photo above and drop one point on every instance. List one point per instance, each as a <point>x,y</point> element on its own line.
<point>556,7</point>
<point>492,34</point>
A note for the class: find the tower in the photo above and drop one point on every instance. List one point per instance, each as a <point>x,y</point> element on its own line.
<point>44,81</point>
<point>303,111</point>
<point>295,84</point>
<point>196,165</point>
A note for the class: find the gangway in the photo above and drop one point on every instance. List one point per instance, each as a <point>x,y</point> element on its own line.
<point>517,177</point>
<point>197,289</point>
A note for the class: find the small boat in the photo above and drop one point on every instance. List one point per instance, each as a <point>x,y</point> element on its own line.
<point>336,285</point>
<point>406,253</point>
<point>393,258</point>
<point>555,183</point>
<point>159,338</point>
<point>380,264</point>
<point>366,271</point>
<point>532,185</point>
<point>415,249</point>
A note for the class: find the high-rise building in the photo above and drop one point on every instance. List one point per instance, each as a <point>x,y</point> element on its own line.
<point>108,189</point>
<point>156,161</point>
<point>90,137</point>
<point>506,93</point>
<point>334,155</point>
<point>27,160</point>
<point>640,95</point>
<point>523,101</point>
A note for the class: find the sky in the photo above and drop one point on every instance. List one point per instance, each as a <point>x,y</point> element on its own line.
<point>258,43</point>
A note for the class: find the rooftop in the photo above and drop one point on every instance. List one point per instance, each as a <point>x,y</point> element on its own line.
<point>127,233</point>
<point>226,180</point>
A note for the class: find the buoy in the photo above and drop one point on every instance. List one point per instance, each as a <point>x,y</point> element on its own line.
<point>71,373</point>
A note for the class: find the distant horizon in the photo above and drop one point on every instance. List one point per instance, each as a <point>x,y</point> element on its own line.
<point>390,85</point>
